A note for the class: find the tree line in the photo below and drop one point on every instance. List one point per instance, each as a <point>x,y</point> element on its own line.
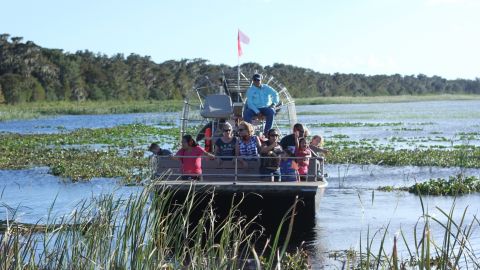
<point>30,73</point>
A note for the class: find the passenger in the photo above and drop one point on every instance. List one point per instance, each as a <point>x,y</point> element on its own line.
<point>261,99</point>
<point>225,145</point>
<point>302,151</point>
<point>154,159</point>
<point>288,167</point>
<point>316,145</point>
<point>157,151</point>
<point>248,145</point>
<point>271,149</point>
<point>190,157</point>
<point>289,141</point>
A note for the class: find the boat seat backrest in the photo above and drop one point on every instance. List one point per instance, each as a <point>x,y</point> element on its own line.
<point>224,171</point>
<point>212,169</point>
<point>217,106</point>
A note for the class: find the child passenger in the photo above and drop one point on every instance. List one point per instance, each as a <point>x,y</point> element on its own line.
<point>157,151</point>
<point>271,151</point>
<point>288,167</point>
<point>303,152</point>
<point>190,157</point>
<point>316,145</point>
<point>157,157</point>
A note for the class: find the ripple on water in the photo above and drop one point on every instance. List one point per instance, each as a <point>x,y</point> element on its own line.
<point>29,194</point>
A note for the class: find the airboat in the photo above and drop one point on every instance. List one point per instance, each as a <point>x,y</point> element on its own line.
<point>209,105</point>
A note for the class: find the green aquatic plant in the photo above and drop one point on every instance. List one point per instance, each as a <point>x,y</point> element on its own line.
<point>455,185</point>
<point>70,155</point>
<point>344,152</point>
<point>451,249</point>
<point>355,124</point>
<point>407,129</point>
<point>380,99</point>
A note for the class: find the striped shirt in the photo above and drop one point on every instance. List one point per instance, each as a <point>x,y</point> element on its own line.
<point>248,148</point>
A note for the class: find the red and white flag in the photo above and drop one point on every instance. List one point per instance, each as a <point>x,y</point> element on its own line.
<point>243,39</point>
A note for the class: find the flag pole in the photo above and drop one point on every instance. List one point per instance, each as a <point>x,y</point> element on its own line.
<point>238,73</point>
<point>238,60</point>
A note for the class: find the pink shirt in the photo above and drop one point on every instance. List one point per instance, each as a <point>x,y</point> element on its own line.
<point>192,164</point>
<point>303,164</point>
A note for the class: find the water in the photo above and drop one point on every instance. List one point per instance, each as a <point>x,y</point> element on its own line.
<point>345,210</point>
<point>350,206</point>
<point>62,123</point>
<point>422,123</point>
<point>32,195</point>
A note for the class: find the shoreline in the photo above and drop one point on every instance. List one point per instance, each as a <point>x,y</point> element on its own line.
<point>39,109</point>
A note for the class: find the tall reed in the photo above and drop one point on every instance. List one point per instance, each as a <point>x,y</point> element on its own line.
<point>450,250</point>
<point>148,230</point>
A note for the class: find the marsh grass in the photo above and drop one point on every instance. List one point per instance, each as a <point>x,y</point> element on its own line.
<point>76,154</point>
<point>149,230</point>
<point>123,151</point>
<point>455,185</point>
<point>450,248</point>
<point>381,99</point>
<point>343,152</point>
<point>38,109</point>
<point>355,124</point>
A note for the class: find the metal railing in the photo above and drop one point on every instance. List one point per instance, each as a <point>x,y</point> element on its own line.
<point>237,170</point>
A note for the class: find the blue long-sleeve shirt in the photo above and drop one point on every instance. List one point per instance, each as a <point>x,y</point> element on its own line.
<point>261,97</point>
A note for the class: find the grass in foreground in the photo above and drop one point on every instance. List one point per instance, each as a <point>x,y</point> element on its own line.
<point>450,249</point>
<point>145,231</point>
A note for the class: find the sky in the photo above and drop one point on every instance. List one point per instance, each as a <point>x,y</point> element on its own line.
<point>407,37</point>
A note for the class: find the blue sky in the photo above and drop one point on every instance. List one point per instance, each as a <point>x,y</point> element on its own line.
<point>432,37</point>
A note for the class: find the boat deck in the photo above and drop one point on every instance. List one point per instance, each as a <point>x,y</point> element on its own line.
<point>270,188</point>
<point>229,177</point>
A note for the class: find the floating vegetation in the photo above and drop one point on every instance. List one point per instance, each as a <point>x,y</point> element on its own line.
<point>343,152</point>
<point>469,135</point>
<point>455,185</point>
<point>354,124</point>
<point>349,113</point>
<point>392,188</point>
<point>423,123</point>
<point>123,149</point>
<point>340,136</point>
<point>408,129</point>
<point>123,152</point>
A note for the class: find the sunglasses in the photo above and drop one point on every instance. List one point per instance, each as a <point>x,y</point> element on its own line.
<point>256,80</point>
<point>227,130</point>
<point>241,129</point>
